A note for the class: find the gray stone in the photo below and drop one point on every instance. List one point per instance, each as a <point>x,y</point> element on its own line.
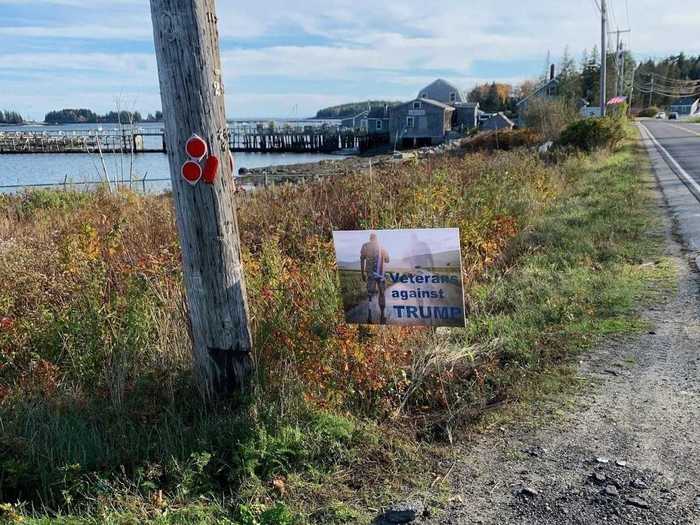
<point>406,512</point>
<point>613,481</point>
<point>598,478</point>
<point>602,460</point>
<point>639,484</point>
<point>621,463</point>
<point>637,502</point>
<point>611,490</point>
<point>535,452</point>
<point>528,492</point>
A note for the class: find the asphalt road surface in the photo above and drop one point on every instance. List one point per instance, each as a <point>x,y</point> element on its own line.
<point>681,140</point>
<point>674,150</point>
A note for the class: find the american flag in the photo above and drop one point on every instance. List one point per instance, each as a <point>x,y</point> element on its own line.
<point>616,100</point>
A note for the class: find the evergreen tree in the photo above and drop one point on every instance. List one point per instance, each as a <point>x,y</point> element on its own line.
<point>569,83</point>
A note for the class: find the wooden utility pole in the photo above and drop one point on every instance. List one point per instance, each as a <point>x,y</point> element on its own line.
<point>192,93</point>
<point>603,57</point>
<point>620,61</point>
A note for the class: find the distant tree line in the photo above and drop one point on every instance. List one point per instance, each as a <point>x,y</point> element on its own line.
<point>158,117</point>
<point>578,81</point>
<point>87,116</point>
<point>10,117</point>
<point>352,109</point>
<point>675,67</point>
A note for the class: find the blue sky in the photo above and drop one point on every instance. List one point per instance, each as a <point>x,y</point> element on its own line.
<point>281,58</point>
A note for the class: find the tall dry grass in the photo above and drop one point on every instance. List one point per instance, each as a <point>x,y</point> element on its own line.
<point>94,347</point>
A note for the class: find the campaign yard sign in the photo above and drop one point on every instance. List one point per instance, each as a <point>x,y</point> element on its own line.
<point>401,277</point>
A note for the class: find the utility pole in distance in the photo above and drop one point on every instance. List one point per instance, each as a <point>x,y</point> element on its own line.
<point>192,93</point>
<point>620,61</point>
<point>603,55</point>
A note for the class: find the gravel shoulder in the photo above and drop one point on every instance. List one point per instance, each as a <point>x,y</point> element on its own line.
<point>627,451</point>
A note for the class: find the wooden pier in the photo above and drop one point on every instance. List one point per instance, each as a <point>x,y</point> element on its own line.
<point>77,142</point>
<point>248,139</point>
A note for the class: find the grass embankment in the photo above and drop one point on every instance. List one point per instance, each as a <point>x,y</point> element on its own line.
<point>100,421</point>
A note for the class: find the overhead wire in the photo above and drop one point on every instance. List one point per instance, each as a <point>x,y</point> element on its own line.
<point>612,13</point>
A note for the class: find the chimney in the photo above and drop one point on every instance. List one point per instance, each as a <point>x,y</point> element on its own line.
<point>551,72</point>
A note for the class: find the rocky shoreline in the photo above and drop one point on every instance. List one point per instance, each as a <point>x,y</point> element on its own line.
<point>341,166</point>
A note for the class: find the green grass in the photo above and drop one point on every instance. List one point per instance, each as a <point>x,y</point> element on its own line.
<point>694,120</point>
<point>583,273</point>
<point>589,257</point>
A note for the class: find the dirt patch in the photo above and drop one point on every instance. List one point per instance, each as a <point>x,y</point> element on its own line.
<point>627,452</point>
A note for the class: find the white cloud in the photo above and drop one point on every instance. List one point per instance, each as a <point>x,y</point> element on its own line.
<point>396,45</point>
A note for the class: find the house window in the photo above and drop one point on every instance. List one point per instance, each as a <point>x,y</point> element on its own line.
<point>424,95</point>
<point>379,124</point>
<point>453,97</point>
<point>410,122</point>
<point>417,105</point>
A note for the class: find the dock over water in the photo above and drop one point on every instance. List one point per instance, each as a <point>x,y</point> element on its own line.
<point>242,138</point>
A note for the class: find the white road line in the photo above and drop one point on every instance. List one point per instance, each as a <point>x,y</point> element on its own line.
<point>680,169</point>
<point>685,129</point>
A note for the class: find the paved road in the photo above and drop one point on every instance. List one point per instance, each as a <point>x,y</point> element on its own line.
<point>681,140</point>
<point>674,149</point>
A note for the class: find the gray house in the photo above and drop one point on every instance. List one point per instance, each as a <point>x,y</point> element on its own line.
<point>378,120</point>
<point>546,90</point>
<point>358,121</point>
<point>498,121</point>
<point>443,91</point>
<point>420,122</point>
<point>686,106</point>
<point>466,116</point>
<point>466,113</point>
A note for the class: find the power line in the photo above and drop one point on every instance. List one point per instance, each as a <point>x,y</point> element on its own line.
<point>612,14</point>
<point>652,88</point>
<point>629,23</point>
<point>670,80</point>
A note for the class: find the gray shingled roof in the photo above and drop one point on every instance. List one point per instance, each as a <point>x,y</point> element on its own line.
<point>379,112</point>
<point>429,101</point>
<point>500,116</point>
<point>539,89</point>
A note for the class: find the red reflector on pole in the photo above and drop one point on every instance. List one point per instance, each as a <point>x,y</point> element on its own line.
<point>211,168</point>
<point>191,172</point>
<point>196,147</point>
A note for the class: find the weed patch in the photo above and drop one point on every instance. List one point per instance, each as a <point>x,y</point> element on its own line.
<point>100,418</point>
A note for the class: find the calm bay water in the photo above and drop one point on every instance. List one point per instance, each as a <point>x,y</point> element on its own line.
<point>48,168</point>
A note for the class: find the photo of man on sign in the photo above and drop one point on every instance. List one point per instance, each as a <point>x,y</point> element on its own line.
<point>401,277</point>
<point>373,257</point>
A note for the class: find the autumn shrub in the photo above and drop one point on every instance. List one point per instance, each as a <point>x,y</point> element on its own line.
<point>549,116</point>
<point>93,289</point>
<point>651,111</point>
<point>594,133</point>
<point>504,140</point>
<point>94,349</point>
